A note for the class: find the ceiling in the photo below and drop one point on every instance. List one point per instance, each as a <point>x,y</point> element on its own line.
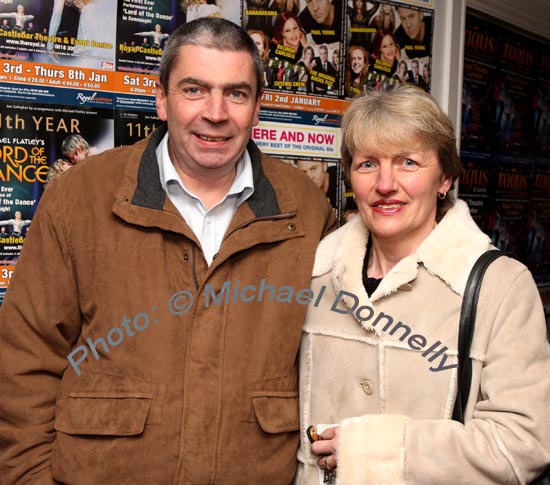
<point>530,15</point>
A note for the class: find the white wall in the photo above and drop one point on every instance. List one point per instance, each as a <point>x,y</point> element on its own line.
<point>530,15</point>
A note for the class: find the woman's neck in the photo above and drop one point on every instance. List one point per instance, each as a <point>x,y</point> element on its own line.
<point>384,255</point>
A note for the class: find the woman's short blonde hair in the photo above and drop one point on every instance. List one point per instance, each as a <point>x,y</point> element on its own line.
<point>406,118</point>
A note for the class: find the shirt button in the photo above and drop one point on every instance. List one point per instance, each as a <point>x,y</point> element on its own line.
<point>367,386</point>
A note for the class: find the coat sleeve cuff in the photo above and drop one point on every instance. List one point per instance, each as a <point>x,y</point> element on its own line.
<point>371,449</point>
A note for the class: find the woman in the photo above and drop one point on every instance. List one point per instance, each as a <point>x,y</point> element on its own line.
<point>385,18</point>
<point>402,72</point>
<point>385,53</point>
<point>426,75</point>
<point>378,351</point>
<point>308,58</point>
<point>288,38</point>
<point>356,72</point>
<point>359,23</point>
<point>260,40</point>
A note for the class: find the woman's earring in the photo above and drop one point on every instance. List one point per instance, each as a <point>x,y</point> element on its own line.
<point>441,195</point>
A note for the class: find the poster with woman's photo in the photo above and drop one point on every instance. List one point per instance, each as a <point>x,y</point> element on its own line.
<point>78,33</point>
<point>300,43</point>
<point>388,43</point>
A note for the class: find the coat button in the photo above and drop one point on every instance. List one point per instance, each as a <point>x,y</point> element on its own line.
<point>367,386</point>
<point>292,227</point>
<point>185,257</point>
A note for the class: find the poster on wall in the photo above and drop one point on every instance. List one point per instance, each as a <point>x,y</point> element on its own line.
<point>33,139</point>
<point>388,43</point>
<point>477,187</point>
<point>59,32</point>
<point>300,43</point>
<point>505,133</point>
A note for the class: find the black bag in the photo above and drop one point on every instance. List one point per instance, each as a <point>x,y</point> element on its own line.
<point>465,332</point>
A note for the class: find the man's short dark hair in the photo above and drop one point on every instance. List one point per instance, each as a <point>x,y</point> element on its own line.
<point>213,33</point>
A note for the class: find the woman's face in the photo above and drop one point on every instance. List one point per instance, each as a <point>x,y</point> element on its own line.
<point>257,38</point>
<point>357,61</point>
<point>309,55</point>
<point>396,193</point>
<point>291,33</point>
<point>386,9</point>
<point>426,71</point>
<point>387,48</point>
<point>402,67</point>
<point>359,5</point>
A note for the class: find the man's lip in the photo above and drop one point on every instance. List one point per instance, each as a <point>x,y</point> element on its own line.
<point>212,138</point>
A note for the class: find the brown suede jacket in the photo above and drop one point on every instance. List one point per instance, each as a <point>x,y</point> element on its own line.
<point>164,395</point>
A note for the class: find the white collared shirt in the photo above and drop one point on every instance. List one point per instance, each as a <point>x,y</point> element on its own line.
<point>209,226</point>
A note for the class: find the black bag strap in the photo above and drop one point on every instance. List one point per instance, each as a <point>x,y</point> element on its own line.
<point>468,312</point>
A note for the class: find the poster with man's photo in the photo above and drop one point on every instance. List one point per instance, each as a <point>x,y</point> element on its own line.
<point>144,26</point>
<point>75,33</point>
<point>300,43</point>
<point>387,44</point>
<point>42,143</point>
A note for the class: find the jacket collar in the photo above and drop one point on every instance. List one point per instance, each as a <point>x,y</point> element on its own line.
<point>449,252</point>
<point>150,194</point>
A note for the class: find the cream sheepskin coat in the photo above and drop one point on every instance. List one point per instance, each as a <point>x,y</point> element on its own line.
<point>383,367</point>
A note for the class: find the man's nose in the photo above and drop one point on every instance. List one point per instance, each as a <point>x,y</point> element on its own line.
<point>216,108</point>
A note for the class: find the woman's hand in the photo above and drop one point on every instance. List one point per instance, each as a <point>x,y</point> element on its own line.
<point>326,448</point>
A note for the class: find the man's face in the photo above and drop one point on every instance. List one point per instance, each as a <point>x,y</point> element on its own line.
<point>314,170</point>
<point>210,105</point>
<point>323,54</point>
<point>412,22</point>
<point>320,10</point>
<point>79,155</point>
<point>414,67</point>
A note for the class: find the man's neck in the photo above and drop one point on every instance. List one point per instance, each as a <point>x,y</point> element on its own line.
<point>421,32</point>
<point>209,185</point>
<point>330,19</point>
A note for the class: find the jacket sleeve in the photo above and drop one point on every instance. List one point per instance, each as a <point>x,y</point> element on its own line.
<point>39,322</point>
<point>506,435</point>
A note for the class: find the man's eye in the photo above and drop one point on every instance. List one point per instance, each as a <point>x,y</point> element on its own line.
<point>192,91</point>
<point>238,95</point>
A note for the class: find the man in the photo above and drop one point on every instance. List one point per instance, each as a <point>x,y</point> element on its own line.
<point>19,16</point>
<point>414,76</point>
<point>194,238</point>
<point>323,20</point>
<point>75,148</point>
<point>323,75</point>
<point>414,33</point>
<point>317,172</point>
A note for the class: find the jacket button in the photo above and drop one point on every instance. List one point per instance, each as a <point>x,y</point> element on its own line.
<point>367,386</point>
<point>292,227</point>
<point>185,257</point>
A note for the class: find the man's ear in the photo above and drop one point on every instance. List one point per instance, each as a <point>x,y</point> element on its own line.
<point>160,100</point>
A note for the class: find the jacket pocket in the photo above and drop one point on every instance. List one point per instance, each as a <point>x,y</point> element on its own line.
<point>112,413</point>
<point>277,411</point>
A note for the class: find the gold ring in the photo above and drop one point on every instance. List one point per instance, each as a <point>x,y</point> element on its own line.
<point>325,463</point>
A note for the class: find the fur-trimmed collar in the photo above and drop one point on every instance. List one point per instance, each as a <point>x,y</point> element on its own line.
<point>449,252</point>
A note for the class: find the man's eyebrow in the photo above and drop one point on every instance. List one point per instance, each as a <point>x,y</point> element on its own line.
<point>226,87</point>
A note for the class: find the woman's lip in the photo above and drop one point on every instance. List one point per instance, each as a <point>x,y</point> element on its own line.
<point>388,206</point>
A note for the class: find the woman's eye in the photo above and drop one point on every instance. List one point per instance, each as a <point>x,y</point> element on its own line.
<point>366,165</point>
<point>408,163</point>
